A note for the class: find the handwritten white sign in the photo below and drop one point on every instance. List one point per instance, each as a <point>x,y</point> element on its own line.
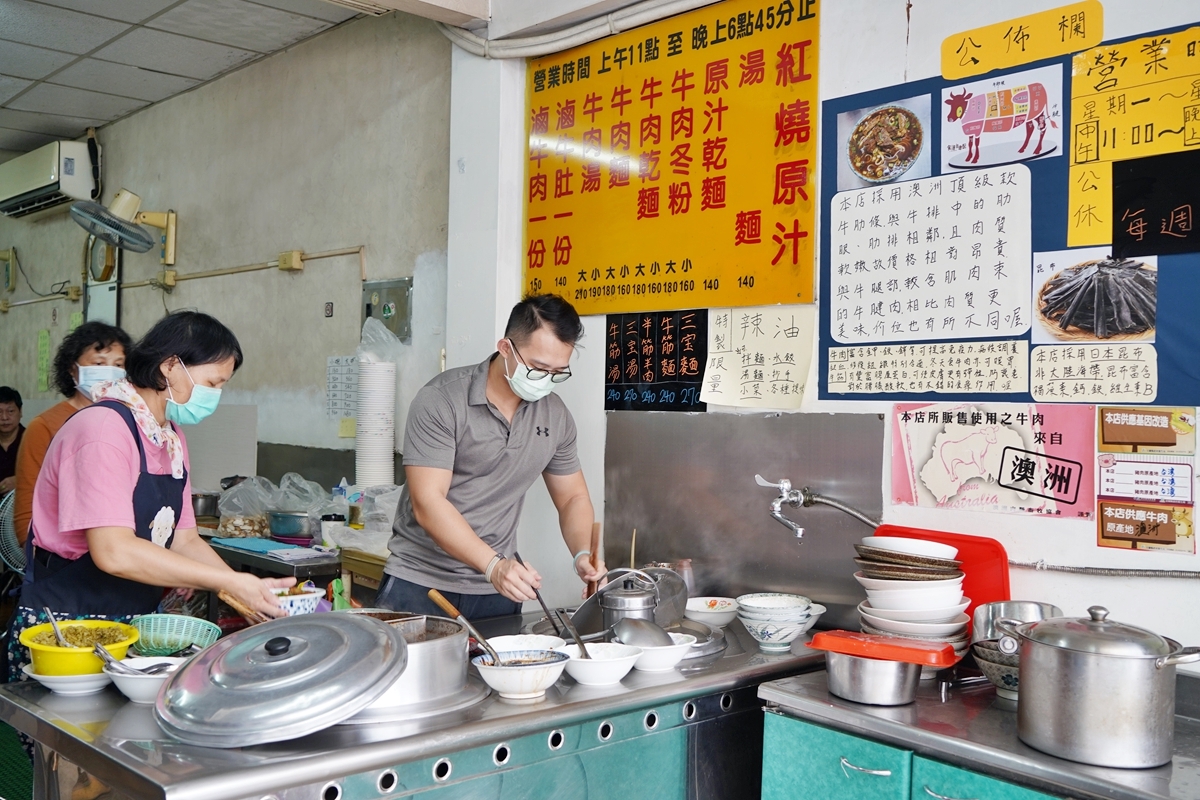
<point>1087,373</point>
<point>936,258</point>
<point>758,357</point>
<point>943,367</point>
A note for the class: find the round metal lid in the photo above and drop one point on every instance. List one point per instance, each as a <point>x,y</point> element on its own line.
<point>280,680</point>
<point>628,596</point>
<point>1098,634</point>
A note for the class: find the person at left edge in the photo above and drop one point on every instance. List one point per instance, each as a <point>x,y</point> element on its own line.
<point>11,432</point>
<point>112,514</point>
<point>93,352</point>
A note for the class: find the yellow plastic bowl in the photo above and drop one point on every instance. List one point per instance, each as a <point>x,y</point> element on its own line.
<point>54,660</point>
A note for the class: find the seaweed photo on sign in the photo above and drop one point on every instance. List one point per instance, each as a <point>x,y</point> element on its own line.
<point>1086,295</point>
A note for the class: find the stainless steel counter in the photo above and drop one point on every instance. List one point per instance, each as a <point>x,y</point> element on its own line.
<point>978,730</point>
<point>120,743</point>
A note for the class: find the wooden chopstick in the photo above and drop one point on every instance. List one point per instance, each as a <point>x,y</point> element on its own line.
<point>251,616</point>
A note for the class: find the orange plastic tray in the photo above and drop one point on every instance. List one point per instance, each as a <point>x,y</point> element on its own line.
<point>984,562</point>
<point>886,648</point>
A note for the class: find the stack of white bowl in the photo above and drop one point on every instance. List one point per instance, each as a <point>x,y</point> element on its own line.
<point>931,610</point>
<point>776,619</point>
<point>375,428</point>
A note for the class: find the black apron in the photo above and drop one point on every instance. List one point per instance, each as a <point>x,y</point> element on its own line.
<point>78,587</point>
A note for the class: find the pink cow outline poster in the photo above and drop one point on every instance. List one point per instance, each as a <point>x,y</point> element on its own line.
<point>1008,457</point>
<point>1002,119</point>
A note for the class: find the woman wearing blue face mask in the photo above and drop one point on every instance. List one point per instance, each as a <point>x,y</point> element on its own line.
<point>91,353</point>
<point>112,513</point>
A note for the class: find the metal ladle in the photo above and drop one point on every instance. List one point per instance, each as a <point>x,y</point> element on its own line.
<point>58,634</point>
<point>118,666</point>
<point>449,608</point>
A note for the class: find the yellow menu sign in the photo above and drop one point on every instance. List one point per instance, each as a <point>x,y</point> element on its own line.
<point>673,166</point>
<point>1128,100</point>
<point>1046,34</point>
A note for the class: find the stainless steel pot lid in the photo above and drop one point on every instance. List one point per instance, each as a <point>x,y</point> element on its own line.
<point>1098,634</point>
<point>282,679</point>
<point>628,596</point>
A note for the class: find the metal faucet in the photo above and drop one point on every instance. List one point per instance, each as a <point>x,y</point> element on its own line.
<point>793,497</point>
<point>805,497</point>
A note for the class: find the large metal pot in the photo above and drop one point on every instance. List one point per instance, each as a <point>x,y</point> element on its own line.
<point>437,665</point>
<point>1097,691</point>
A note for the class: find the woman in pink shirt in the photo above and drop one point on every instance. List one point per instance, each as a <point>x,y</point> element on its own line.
<point>112,513</point>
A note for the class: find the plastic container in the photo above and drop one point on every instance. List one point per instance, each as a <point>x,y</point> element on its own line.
<point>878,670</point>
<point>163,634</point>
<point>54,660</point>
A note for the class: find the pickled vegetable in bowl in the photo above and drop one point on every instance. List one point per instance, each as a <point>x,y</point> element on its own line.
<point>51,659</point>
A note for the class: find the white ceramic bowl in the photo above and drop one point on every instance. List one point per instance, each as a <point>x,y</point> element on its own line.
<point>774,637</point>
<point>956,626</point>
<point>70,685</point>
<point>773,602</point>
<point>295,604</point>
<point>143,688</point>
<point>915,547</point>
<point>521,681</point>
<point>663,658</point>
<point>879,584</point>
<point>916,599</point>
<point>715,611</point>
<point>777,616</point>
<point>609,662</point>
<point>526,641</point>
<point>921,615</point>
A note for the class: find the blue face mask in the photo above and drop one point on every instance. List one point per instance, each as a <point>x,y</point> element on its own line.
<point>199,406</point>
<point>89,376</point>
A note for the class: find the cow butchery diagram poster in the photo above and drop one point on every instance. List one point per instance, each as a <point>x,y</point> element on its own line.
<point>950,265</point>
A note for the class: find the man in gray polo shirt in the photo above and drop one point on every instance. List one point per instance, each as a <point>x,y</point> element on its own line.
<point>476,440</point>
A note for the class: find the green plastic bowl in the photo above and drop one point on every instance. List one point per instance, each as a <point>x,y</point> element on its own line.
<point>163,634</point>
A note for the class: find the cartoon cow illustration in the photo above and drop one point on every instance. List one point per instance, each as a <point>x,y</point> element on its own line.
<point>998,112</point>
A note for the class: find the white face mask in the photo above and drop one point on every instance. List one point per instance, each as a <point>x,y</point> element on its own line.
<point>527,388</point>
<point>92,375</point>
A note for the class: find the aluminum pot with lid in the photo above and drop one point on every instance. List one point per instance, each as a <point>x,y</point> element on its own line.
<point>634,597</point>
<point>1097,691</point>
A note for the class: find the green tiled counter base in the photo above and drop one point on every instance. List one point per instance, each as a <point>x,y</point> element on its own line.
<point>802,761</point>
<point>933,778</point>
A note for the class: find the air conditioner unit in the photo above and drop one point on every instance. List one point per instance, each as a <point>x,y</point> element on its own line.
<point>45,180</point>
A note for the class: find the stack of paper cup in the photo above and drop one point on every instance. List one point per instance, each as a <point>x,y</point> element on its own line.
<point>375,437</point>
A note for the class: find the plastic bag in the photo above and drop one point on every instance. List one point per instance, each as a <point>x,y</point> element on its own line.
<point>379,506</point>
<point>244,509</point>
<point>378,344</point>
<point>374,542</point>
<point>297,494</point>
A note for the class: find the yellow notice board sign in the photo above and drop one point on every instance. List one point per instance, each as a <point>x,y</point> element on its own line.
<point>1047,34</point>
<point>1128,100</point>
<point>673,166</point>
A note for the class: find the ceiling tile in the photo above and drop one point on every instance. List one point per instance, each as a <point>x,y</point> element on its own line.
<point>105,76</point>
<point>238,24</point>
<point>24,61</point>
<point>177,55</point>
<point>124,10</point>
<point>50,124</point>
<point>10,86</point>
<point>22,140</point>
<point>311,8</point>
<point>51,99</point>
<point>56,28</point>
